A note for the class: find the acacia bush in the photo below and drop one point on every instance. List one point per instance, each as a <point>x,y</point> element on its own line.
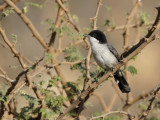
<point>46,92</point>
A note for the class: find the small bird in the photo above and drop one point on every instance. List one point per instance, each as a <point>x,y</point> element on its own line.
<point>107,57</point>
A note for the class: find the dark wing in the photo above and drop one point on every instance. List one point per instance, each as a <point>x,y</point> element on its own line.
<point>113,50</point>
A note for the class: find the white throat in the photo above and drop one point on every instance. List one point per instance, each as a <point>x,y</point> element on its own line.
<point>93,41</point>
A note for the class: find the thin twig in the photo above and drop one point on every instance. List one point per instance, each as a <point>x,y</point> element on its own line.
<point>129,19</point>
<point>130,117</point>
<point>4,5</point>
<point>136,99</point>
<point>101,101</point>
<point>146,112</point>
<point>99,3</point>
<point>69,16</point>
<point>129,26</point>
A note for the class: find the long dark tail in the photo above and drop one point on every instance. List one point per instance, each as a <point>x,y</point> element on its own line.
<point>121,81</point>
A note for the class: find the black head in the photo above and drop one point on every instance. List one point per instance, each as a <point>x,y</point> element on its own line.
<point>99,35</point>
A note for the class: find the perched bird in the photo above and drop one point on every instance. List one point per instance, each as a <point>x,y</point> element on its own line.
<point>107,57</point>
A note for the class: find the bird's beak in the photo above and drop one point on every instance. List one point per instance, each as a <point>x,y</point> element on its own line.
<point>86,35</point>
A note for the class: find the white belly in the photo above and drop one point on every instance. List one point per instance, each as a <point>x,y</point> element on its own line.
<point>103,56</point>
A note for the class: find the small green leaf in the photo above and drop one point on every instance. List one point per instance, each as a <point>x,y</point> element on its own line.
<point>107,23</point>
<point>75,18</point>
<point>132,70</point>
<point>25,9</point>
<point>134,58</point>
<point>52,81</point>
<point>7,12</point>
<point>144,18</point>
<point>49,57</point>
<point>14,36</point>
<point>72,54</point>
<point>108,7</point>
<point>32,68</point>
<point>35,4</point>
<point>142,106</point>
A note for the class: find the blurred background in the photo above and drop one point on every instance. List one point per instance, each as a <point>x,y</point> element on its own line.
<point>115,11</point>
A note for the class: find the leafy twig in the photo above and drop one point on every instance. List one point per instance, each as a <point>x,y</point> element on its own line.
<point>95,17</point>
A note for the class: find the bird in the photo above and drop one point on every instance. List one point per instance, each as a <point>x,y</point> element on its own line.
<point>107,57</point>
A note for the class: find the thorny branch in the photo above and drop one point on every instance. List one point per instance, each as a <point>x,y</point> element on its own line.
<point>129,19</point>
<point>95,17</point>
<point>150,106</point>
<point>130,117</point>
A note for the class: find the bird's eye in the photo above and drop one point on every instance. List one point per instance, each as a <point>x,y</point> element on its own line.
<point>94,35</point>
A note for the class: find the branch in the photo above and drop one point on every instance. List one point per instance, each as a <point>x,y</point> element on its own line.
<point>142,96</point>
<point>129,26</point>
<point>130,54</point>
<point>4,5</point>
<point>145,113</point>
<point>130,117</point>
<point>143,40</point>
<point>4,75</point>
<point>99,3</point>
<point>129,19</point>
<point>102,102</point>
<point>68,15</point>
<point>28,23</point>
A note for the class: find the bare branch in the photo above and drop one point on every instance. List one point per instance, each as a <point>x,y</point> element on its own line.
<point>69,16</point>
<point>4,5</point>
<point>133,101</point>
<point>145,113</point>
<point>101,101</point>
<point>129,19</point>
<point>95,17</point>
<point>129,26</point>
<point>130,117</point>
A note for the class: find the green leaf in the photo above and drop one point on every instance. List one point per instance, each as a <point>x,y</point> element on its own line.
<point>7,12</point>
<point>52,81</point>
<point>132,70</point>
<point>32,68</point>
<point>72,54</point>
<point>55,102</point>
<point>35,4</point>
<point>46,113</point>
<point>49,57</point>
<point>108,7</point>
<point>144,18</point>
<point>14,37</point>
<point>75,18</point>
<point>134,58</point>
<point>143,106</point>
<point>25,9</point>
<point>107,23</point>
<point>73,89</point>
